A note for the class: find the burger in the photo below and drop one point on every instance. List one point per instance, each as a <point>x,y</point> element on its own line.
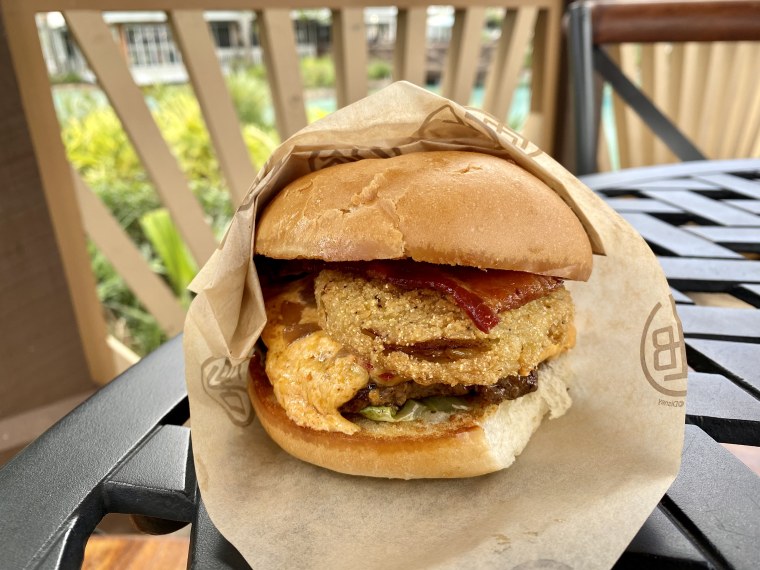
<point>415,308</point>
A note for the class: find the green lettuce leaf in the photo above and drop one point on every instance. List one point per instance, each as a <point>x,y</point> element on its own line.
<point>415,409</point>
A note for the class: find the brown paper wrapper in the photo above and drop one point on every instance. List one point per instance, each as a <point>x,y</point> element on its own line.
<point>573,499</point>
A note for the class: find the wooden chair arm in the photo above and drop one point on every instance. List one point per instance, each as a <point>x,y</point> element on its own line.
<point>680,21</point>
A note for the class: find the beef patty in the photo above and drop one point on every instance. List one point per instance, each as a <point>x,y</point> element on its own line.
<point>509,388</point>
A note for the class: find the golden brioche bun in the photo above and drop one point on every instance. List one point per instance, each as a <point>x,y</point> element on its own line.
<point>444,207</point>
<point>466,446</point>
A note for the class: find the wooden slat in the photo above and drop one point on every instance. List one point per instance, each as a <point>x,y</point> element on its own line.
<point>123,357</point>
<point>631,135</point>
<point>715,84</point>
<point>693,75</point>
<point>604,161</point>
<point>507,61</point>
<point>675,80</point>
<point>106,552</point>
<point>350,55</point>
<point>283,74</point>
<point>545,77</point>
<point>726,99</point>
<point>60,194</point>
<point>648,82</point>
<point>687,95</point>
<point>167,5</point>
<point>409,53</point>
<point>750,136</point>
<point>720,300</point>
<point>742,73</point>
<point>463,55</point>
<point>97,44</point>
<point>661,98</point>
<point>194,39</point>
<point>114,243</point>
<point>621,113</point>
<point>21,428</point>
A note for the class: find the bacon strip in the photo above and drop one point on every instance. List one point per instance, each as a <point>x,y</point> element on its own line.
<point>480,294</point>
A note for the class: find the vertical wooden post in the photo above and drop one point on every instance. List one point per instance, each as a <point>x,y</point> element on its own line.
<point>409,55</point>
<point>464,54</point>
<point>545,76</point>
<point>712,104</point>
<point>507,61</point>
<point>281,61</point>
<point>60,196</point>
<point>349,54</point>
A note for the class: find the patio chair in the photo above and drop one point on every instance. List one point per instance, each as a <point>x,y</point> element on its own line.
<point>687,96</point>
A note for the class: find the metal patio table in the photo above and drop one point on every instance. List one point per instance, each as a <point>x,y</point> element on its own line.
<point>125,449</point>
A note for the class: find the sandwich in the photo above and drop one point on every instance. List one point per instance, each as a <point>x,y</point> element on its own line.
<point>416,311</point>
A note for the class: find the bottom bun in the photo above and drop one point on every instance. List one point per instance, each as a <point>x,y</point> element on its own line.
<point>465,445</point>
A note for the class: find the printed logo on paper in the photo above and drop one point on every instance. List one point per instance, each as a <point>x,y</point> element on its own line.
<point>226,385</point>
<point>319,159</point>
<point>663,352</point>
<point>496,129</point>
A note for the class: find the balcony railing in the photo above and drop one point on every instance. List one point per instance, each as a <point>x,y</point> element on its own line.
<point>528,28</point>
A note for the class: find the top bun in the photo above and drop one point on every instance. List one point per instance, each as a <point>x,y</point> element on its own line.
<point>447,207</point>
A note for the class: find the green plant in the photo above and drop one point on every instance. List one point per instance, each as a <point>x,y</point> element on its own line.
<point>261,143</point>
<point>178,265</point>
<point>251,97</point>
<point>317,72</point>
<point>379,69</point>
<point>127,318</point>
<point>99,148</point>
<point>66,77</point>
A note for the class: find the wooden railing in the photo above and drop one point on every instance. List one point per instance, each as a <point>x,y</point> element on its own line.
<point>77,212</point>
<point>711,91</point>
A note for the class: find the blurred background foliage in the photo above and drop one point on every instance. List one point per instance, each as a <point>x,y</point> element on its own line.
<point>100,149</point>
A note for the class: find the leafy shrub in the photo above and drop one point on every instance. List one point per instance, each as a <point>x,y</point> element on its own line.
<point>251,96</point>
<point>177,265</point>
<point>127,318</point>
<point>379,69</point>
<point>100,149</point>
<point>317,72</point>
<point>67,77</point>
